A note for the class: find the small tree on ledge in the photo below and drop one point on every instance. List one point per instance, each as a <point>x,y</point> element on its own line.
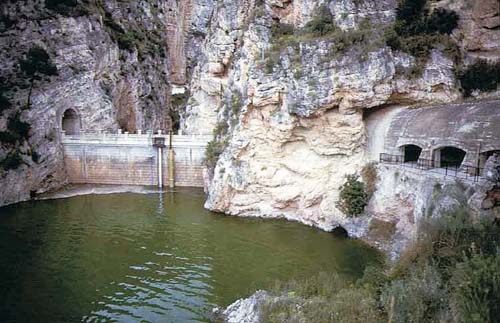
<point>353,197</point>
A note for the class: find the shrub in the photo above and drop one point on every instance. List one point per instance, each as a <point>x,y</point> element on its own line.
<point>476,289</point>
<point>12,161</point>
<point>452,276</point>
<point>213,151</point>
<point>417,32</point>
<point>481,75</point>
<point>280,30</point>
<point>353,197</point>
<point>4,103</point>
<point>17,130</point>
<point>127,41</point>
<point>322,24</point>
<point>63,7</point>
<point>417,296</point>
<point>37,63</point>
<point>442,21</point>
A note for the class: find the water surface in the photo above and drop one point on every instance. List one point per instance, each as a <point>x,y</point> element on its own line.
<point>150,257</point>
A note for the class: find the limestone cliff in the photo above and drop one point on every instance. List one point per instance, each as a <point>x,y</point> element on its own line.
<point>289,110</point>
<point>117,64</point>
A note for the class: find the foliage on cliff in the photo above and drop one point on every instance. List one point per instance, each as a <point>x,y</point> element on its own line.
<point>450,275</point>
<point>322,27</point>
<point>481,75</point>
<point>417,30</point>
<point>353,197</point>
<point>35,67</point>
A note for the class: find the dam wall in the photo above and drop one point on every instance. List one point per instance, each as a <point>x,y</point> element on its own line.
<point>132,159</point>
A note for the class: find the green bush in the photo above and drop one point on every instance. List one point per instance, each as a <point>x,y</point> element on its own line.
<point>417,32</point>
<point>482,75</point>
<point>321,298</point>
<point>417,296</point>
<point>322,24</point>
<point>17,130</point>
<point>127,41</point>
<point>353,197</point>
<point>451,274</point>
<point>12,161</point>
<point>213,151</point>
<point>476,289</point>
<point>63,7</point>
<point>4,103</point>
<point>37,63</point>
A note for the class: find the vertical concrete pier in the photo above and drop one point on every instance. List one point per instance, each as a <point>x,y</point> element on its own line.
<point>159,143</point>
<point>171,162</point>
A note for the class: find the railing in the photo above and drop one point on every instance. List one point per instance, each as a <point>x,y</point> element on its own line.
<point>466,172</point>
<point>140,139</point>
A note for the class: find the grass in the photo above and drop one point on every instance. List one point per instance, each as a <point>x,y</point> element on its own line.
<point>450,274</point>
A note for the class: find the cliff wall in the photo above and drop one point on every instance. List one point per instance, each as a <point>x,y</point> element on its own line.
<point>114,63</point>
<point>290,108</point>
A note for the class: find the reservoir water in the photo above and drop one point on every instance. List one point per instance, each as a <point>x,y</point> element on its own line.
<point>150,257</point>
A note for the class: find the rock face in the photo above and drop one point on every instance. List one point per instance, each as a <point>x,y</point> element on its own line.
<point>296,116</point>
<point>245,310</point>
<point>117,63</point>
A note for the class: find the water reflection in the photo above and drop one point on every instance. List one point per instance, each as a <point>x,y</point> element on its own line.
<point>156,258</point>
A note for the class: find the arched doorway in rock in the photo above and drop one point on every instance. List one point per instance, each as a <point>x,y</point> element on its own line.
<point>70,122</point>
<point>411,153</point>
<point>449,156</point>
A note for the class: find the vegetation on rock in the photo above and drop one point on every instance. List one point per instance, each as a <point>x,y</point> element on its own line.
<point>481,75</point>
<point>450,274</point>
<point>417,31</point>
<point>353,197</point>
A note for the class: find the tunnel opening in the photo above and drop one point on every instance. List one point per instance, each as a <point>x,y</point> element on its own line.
<point>450,157</point>
<point>70,122</point>
<point>411,153</point>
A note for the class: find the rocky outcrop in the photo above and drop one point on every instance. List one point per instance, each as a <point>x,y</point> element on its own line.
<point>245,310</point>
<point>297,127</point>
<point>117,63</point>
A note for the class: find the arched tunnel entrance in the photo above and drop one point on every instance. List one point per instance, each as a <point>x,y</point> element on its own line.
<point>70,122</point>
<point>411,153</point>
<point>449,156</point>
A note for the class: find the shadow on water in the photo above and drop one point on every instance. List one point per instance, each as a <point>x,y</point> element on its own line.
<point>152,257</point>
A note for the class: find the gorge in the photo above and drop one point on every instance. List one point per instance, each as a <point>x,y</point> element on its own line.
<point>292,96</point>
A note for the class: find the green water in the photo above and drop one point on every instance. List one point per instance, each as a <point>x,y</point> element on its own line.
<point>150,257</point>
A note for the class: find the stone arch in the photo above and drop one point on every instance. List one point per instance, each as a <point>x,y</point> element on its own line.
<point>411,152</point>
<point>70,122</point>
<point>449,156</point>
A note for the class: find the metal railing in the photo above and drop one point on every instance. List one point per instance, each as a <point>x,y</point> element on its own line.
<point>466,172</point>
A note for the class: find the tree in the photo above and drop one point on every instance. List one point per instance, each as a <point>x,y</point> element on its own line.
<point>36,66</point>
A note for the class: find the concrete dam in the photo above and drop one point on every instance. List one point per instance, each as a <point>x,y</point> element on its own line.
<point>135,159</point>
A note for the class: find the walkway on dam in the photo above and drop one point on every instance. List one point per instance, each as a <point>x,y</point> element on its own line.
<point>134,159</point>
<point>453,140</point>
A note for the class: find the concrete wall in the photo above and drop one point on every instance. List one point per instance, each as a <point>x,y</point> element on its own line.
<point>473,127</point>
<point>132,159</point>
